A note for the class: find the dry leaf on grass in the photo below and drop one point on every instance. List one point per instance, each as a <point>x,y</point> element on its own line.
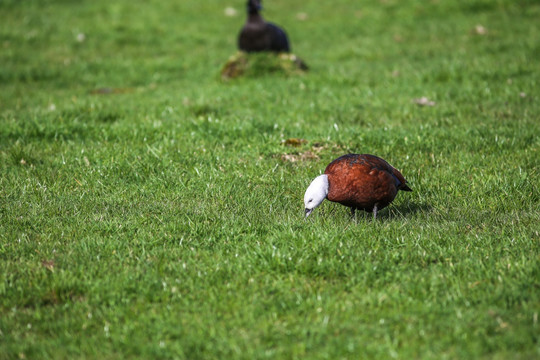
<point>48,264</point>
<point>424,101</point>
<point>294,142</point>
<point>480,30</point>
<point>230,11</point>
<point>302,16</point>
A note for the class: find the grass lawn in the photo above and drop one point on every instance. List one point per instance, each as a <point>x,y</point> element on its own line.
<point>149,209</point>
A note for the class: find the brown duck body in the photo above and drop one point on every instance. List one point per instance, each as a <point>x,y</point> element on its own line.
<point>258,35</point>
<point>363,181</point>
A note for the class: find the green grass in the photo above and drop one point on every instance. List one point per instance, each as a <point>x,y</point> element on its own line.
<point>162,217</point>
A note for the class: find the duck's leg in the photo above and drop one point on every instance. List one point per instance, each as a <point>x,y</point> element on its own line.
<point>375,212</point>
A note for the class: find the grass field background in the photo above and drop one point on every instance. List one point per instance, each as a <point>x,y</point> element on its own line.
<point>149,209</point>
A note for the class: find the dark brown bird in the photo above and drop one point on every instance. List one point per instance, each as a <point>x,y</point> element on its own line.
<point>259,35</point>
<point>361,182</point>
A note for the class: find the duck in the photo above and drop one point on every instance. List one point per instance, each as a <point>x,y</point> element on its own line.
<point>258,35</point>
<point>358,181</point>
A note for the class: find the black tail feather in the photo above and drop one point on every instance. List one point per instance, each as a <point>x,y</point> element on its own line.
<point>404,187</point>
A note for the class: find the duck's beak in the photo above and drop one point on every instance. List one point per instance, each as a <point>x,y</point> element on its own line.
<point>308,211</point>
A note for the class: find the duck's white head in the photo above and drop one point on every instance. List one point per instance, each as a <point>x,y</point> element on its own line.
<point>315,193</point>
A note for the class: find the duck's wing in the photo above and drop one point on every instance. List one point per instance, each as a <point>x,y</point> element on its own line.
<point>381,164</point>
<point>279,40</point>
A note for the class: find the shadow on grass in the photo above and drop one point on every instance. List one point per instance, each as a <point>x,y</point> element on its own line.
<point>400,212</point>
<point>392,212</point>
<point>404,210</point>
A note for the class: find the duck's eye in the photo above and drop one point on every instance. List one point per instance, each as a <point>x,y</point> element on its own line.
<point>310,200</point>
